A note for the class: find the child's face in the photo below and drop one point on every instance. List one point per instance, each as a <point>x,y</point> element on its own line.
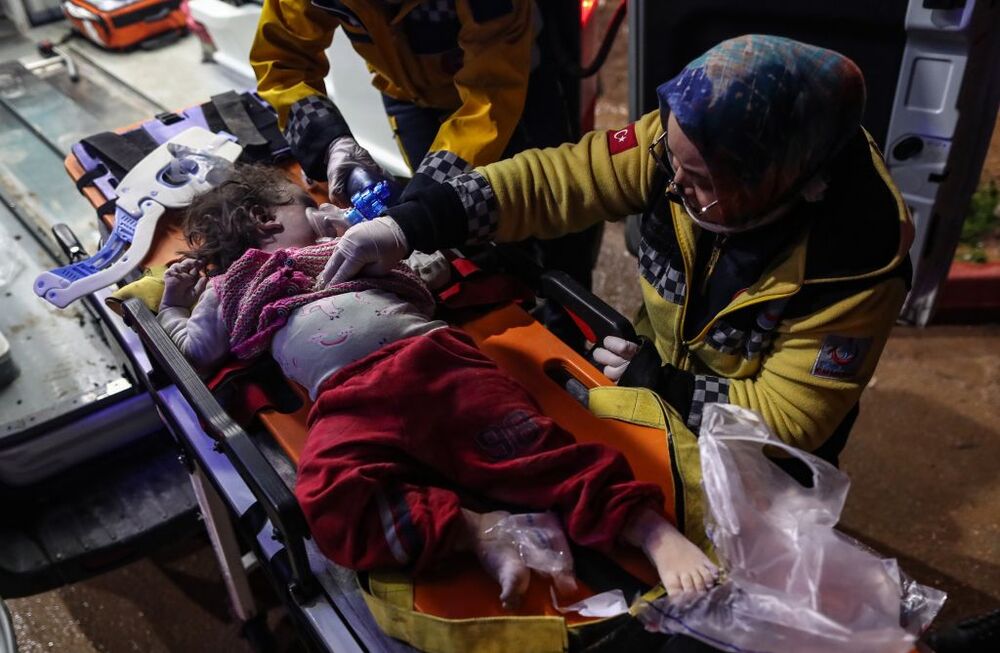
<point>290,228</point>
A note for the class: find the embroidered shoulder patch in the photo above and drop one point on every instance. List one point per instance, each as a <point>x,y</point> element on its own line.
<point>841,357</point>
<point>622,139</point>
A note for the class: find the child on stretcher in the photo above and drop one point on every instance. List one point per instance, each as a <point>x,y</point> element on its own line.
<point>414,432</point>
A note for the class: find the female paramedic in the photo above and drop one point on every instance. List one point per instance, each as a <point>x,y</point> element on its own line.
<point>462,81</point>
<point>773,259</point>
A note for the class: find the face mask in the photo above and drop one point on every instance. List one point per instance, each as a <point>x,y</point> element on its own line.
<point>750,225</point>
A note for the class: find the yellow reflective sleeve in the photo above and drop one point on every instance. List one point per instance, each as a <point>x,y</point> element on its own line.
<point>551,192</point>
<point>492,83</point>
<point>820,365</point>
<point>288,54</point>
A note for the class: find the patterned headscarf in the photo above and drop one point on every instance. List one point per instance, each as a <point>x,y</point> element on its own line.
<point>766,113</point>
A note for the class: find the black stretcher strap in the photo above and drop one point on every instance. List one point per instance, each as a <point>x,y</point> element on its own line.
<point>234,114</point>
<point>228,112</point>
<point>120,152</point>
<point>90,176</point>
<point>266,121</point>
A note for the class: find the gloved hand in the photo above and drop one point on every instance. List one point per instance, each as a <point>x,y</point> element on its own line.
<point>614,354</point>
<point>373,247</point>
<point>342,156</point>
<point>328,221</point>
<point>433,269</point>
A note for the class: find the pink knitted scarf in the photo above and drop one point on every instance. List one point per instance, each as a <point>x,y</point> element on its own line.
<point>258,292</point>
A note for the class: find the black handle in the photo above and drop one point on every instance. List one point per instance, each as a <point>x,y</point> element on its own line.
<point>68,242</point>
<point>586,306</point>
<point>267,487</point>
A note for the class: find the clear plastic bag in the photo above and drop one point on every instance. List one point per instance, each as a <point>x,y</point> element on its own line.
<point>540,541</point>
<point>792,582</point>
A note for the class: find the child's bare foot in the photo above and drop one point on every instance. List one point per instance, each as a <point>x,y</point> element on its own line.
<point>498,555</point>
<point>681,565</point>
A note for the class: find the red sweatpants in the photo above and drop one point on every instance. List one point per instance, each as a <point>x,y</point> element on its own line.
<point>400,439</point>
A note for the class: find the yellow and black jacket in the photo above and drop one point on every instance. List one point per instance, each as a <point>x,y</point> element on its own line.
<point>471,57</point>
<point>788,321</point>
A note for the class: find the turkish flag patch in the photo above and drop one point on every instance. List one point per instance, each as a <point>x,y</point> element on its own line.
<point>622,139</point>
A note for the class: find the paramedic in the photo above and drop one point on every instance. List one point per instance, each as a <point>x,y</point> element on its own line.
<point>462,81</point>
<point>773,259</point>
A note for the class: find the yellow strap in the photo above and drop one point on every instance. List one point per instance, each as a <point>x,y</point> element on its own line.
<point>644,407</point>
<point>390,600</point>
<point>636,405</point>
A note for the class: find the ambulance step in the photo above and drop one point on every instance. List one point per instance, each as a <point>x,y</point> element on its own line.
<point>100,516</point>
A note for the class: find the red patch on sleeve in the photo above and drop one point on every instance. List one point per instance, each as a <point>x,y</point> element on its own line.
<point>622,139</point>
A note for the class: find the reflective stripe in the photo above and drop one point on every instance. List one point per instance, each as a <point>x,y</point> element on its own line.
<point>389,528</point>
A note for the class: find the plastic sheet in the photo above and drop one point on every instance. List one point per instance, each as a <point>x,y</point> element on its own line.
<point>540,541</point>
<point>792,582</point>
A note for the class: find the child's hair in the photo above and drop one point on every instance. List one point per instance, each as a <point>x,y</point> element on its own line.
<point>223,223</point>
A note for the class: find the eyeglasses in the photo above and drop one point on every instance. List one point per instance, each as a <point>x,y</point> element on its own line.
<point>675,191</point>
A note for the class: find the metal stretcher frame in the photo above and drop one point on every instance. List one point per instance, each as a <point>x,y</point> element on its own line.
<point>233,477</point>
<point>239,489</point>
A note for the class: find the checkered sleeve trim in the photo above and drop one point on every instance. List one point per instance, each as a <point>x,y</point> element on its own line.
<point>758,342</point>
<point>313,123</point>
<point>656,268</point>
<point>707,390</point>
<point>442,166</point>
<point>435,11</point>
<point>726,338</point>
<point>480,205</point>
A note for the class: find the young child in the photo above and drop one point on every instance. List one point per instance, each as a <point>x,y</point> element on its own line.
<point>414,432</point>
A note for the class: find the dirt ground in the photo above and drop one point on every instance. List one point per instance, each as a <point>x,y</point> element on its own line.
<point>923,459</point>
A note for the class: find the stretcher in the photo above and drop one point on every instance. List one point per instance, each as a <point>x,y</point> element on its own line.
<point>241,440</point>
<point>242,458</point>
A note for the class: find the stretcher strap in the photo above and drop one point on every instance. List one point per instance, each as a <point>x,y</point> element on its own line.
<point>120,152</point>
<point>644,407</point>
<point>254,127</point>
<point>234,114</point>
<point>635,405</point>
<point>390,599</point>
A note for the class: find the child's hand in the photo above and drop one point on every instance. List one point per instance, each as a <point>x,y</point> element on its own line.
<point>183,284</point>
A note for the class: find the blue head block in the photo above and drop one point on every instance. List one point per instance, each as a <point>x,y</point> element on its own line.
<point>370,203</point>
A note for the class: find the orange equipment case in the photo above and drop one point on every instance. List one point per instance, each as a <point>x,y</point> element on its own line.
<point>122,24</point>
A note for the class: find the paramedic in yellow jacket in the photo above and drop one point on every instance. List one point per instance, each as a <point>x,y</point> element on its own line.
<point>773,259</point>
<point>462,81</point>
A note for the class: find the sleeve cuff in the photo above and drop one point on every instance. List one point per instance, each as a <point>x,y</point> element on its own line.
<point>479,205</point>
<point>442,165</point>
<point>706,389</point>
<point>313,123</point>
<point>458,212</point>
<point>433,219</point>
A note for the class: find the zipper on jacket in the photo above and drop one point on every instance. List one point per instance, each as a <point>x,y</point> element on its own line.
<point>713,258</point>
